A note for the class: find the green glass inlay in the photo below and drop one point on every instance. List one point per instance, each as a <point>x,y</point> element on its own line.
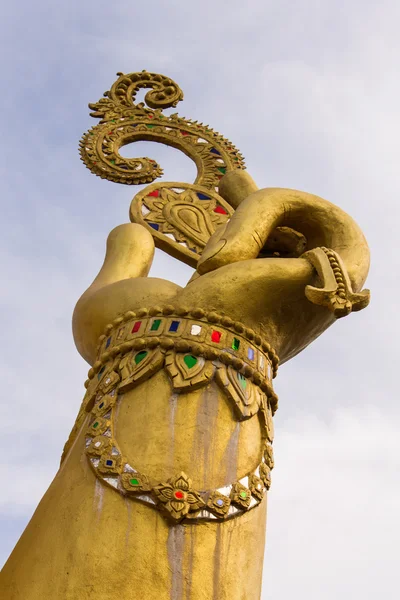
<point>222,169</point>
<point>243,495</point>
<point>113,121</point>
<point>155,325</point>
<point>113,162</point>
<point>140,356</point>
<point>149,126</point>
<point>235,344</point>
<point>190,361</point>
<point>134,481</point>
<point>95,425</point>
<point>242,380</point>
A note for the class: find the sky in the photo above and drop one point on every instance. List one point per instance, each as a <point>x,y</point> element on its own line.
<point>309,92</point>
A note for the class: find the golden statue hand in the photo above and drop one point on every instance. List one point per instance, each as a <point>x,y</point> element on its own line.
<point>272,295</point>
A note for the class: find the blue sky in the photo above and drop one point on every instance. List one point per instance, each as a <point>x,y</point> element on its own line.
<point>309,92</point>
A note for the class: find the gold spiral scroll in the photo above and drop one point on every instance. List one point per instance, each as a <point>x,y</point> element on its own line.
<point>124,122</point>
<point>180,223</point>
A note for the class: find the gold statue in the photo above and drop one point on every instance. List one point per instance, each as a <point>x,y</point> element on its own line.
<point>161,493</point>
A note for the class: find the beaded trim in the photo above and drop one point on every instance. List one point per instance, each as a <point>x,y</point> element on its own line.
<point>208,334</point>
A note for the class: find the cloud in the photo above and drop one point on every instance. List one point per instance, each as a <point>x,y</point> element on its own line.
<point>331,528</point>
<point>309,92</point>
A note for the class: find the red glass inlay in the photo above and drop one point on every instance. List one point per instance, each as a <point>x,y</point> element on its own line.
<point>150,116</point>
<point>179,495</point>
<point>216,336</point>
<point>184,132</point>
<point>136,326</point>
<point>220,210</point>
<point>155,193</point>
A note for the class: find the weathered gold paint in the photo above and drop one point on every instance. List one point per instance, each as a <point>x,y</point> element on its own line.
<point>85,540</point>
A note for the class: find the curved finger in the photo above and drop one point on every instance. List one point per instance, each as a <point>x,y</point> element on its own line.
<point>321,222</point>
<point>129,254</point>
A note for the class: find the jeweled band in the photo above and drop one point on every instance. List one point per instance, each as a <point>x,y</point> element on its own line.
<point>202,332</point>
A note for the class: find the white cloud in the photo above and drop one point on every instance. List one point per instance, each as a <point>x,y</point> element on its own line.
<point>333,524</point>
<point>309,92</point>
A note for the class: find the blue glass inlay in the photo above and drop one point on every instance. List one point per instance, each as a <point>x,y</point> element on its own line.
<point>101,405</point>
<point>174,326</point>
<point>219,502</point>
<point>100,373</point>
<point>108,342</point>
<point>109,463</point>
<point>250,353</point>
<point>215,151</point>
<point>154,226</point>
<point>202,196</point>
